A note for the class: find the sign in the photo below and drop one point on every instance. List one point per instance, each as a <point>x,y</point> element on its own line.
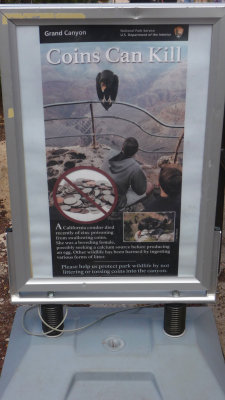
<point>114,99</point>
<point>113,118</point>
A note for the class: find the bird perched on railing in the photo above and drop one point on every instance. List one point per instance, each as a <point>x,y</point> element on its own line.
<point>107,87</point>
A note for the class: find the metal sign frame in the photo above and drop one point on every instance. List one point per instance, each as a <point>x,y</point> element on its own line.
<point>197,286</point>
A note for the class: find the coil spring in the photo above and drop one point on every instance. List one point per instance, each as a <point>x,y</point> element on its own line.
<point>52,314</point>
<point>174,319</point>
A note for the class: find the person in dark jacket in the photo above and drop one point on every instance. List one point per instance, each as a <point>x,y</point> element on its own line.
<point>169,199</point>
<point>126,172</point>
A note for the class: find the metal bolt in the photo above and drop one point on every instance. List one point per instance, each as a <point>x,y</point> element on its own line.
<point>175,293</point>
<point>51,294</point>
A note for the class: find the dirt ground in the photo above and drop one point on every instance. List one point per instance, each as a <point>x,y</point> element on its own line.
<point>7,311</point>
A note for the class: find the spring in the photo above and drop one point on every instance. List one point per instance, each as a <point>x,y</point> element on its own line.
<point>174,319</point>
<point>52,314</point>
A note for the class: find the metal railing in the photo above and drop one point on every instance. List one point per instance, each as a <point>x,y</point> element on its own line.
<point>94,117</point>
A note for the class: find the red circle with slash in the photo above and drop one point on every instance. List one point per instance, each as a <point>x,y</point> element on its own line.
<point>85,173</point>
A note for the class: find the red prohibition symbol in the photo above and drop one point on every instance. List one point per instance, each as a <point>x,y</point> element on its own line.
<point>85,195</point>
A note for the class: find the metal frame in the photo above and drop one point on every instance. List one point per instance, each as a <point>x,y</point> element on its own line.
<point>24,288</point>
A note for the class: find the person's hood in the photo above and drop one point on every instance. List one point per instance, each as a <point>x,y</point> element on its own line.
<point>120,166</point>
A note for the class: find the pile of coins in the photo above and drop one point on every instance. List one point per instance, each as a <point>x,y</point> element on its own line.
<point>85,196</point>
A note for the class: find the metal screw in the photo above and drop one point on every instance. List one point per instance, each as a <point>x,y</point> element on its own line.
<point>50,294</point>
<point>175,293</point>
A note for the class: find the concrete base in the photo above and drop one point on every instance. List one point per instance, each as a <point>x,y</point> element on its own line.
<point>126,356</point>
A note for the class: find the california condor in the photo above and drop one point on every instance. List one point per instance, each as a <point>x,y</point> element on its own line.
<point>107,86</point>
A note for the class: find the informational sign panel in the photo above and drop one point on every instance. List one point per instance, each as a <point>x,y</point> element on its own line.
<point>114,165</point>
<point>113,119</point>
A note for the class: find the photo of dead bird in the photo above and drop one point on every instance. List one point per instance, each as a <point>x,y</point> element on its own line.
<point>149,227</point>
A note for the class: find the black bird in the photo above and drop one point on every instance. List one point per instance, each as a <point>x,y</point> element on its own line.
<point>107,86</point>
